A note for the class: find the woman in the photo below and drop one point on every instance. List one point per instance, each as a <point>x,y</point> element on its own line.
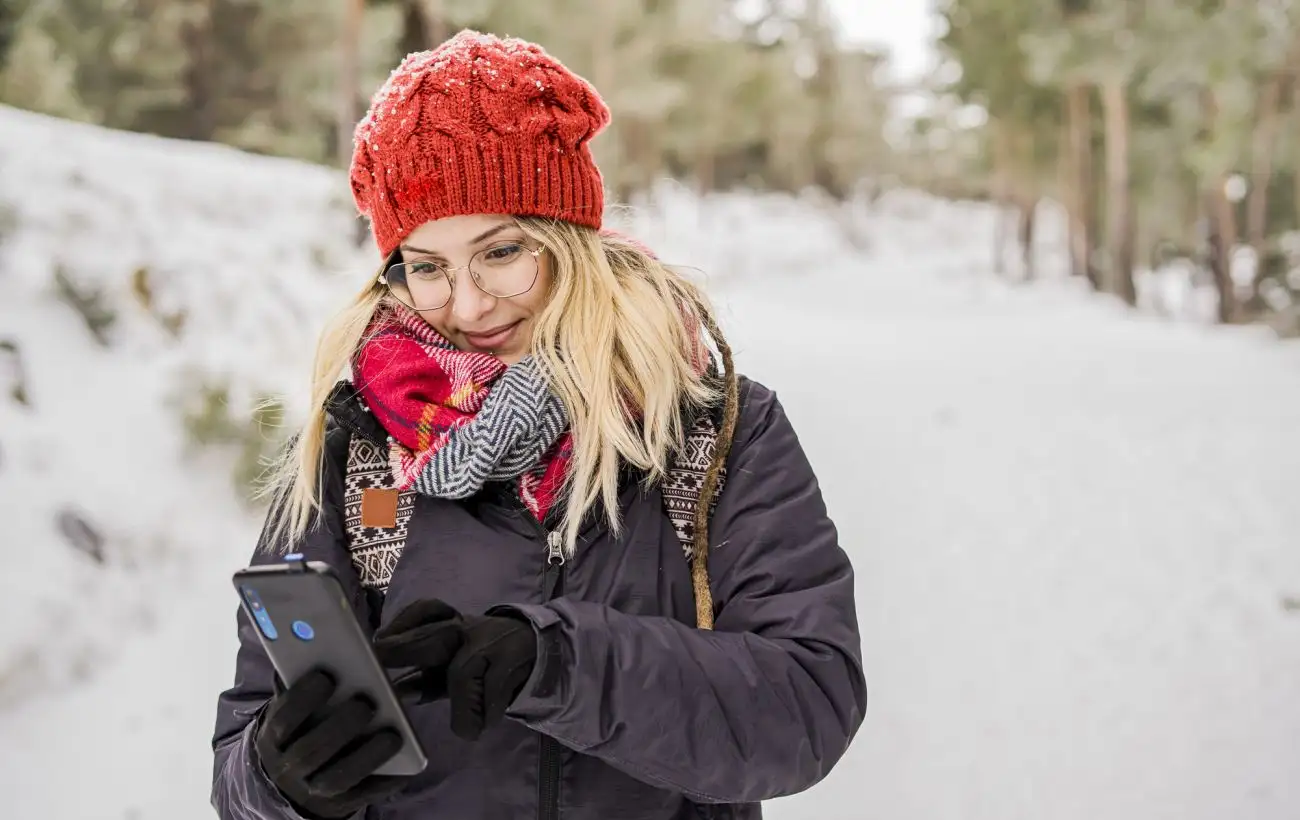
<point>500,487</point>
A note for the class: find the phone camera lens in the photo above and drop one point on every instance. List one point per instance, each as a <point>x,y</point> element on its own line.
<point>303,630</point>
<point>260,615</point>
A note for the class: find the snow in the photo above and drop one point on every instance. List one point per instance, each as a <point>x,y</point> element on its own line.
<point>249,249</point>
<point>1073,525</point>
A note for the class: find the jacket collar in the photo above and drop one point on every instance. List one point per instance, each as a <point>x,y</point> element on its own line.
<point>344,405</point>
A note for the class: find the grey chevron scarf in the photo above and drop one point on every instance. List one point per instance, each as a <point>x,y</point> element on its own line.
<point>459,419</point>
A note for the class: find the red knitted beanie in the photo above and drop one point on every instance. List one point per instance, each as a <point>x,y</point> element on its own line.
<point>478,125</point>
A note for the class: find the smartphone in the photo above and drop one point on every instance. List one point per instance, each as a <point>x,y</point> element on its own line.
<point>304,621</point>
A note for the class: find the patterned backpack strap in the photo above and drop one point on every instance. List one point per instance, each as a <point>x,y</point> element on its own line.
<point>685,479</point>
<point>375,513</point>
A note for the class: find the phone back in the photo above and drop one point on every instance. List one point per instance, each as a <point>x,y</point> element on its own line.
<point>304,621</point>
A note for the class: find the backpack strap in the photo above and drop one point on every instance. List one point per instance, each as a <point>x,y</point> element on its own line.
<point>375,513</point>
<point>681,487</point>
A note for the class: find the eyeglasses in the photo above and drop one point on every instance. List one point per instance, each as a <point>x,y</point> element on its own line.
<point>503,270</point>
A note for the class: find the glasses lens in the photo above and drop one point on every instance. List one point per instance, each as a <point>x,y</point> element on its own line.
<point>504,270</point>
<point>419,285</point>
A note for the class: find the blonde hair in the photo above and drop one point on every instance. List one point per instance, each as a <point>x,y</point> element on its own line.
<point>618,341</point>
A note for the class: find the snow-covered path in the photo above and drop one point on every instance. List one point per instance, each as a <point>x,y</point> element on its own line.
<point>1074,532</point>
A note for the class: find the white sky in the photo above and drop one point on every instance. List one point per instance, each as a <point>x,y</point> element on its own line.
<point>901,26</point>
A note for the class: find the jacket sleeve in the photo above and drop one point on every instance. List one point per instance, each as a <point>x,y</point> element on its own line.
<point>240,788</point>
<point>764,705</point>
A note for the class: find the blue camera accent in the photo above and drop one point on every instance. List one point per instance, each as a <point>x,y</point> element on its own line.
<point>303,630</point>
<point>259,614</point>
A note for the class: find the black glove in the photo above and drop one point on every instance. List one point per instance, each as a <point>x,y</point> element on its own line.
<point>323,757</point>
<point>479,661</point>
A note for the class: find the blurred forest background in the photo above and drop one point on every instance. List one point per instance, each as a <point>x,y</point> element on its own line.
<point>1168,130</point>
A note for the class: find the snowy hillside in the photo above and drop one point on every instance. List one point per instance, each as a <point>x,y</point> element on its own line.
<point>1074,526</point>
<point>197,267</point>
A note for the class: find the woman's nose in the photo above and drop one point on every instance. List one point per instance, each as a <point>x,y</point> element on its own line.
<point>468,301</point>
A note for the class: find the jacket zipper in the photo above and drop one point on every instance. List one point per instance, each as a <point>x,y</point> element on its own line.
<point>548,755</point>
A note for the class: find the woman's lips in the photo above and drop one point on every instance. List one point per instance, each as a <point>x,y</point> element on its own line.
<point>492,339</point>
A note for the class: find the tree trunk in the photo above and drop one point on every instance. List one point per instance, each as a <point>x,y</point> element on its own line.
<point>608,147</point>
<point>1096,207</point>
<point>415,35</point>
<point>1119,233</point>
<point>1263,144</point>
<point>705,169</point>
<point>436,23</point>
<point>822,88</point>
<point>9,14</point>
<point>642,158</point>
<point>1224,222</point>
<point>1067,186</point>
<point>1079,142</point>
<point>1220,218</point>
<point>1295,194</point>
<point>1028,209</point>
<point>349,77</point>
<point>999,237</point>
<point>1002,195</point>
<point>1190,189</point>
<point>200,76</point>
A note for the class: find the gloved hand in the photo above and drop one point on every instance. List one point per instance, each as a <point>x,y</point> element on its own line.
<point>322,758</point>
<point>480,662</point>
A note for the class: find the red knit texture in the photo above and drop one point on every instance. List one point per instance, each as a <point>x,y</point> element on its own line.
<point>480,124</point>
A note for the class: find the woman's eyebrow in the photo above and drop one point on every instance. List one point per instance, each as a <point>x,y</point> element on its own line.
<point>488,234</point>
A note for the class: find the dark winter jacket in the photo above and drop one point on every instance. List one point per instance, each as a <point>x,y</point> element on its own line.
<point>631,712</point>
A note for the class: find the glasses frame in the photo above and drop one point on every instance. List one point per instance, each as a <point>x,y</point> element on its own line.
<point>451,272</point>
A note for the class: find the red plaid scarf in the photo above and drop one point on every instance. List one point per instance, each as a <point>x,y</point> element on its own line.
<point>422,390</point>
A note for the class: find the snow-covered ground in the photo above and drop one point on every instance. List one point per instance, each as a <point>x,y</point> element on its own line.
<point>1074,526</point>
<point>237,255</point>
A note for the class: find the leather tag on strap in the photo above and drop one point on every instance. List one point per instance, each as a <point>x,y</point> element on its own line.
<point>379,507</point>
